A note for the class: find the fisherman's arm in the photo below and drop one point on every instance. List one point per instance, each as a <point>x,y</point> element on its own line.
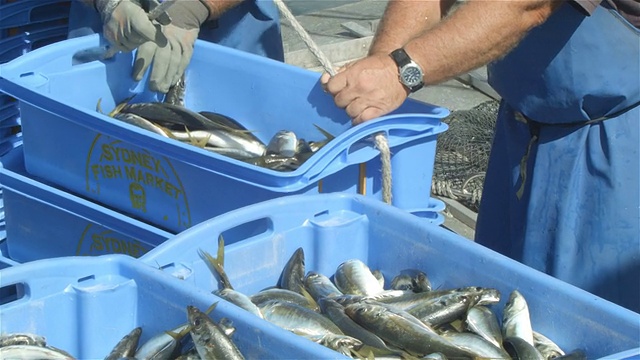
<point>405,19</point>
<point>476,33</point>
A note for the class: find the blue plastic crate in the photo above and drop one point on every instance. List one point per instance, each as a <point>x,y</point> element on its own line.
<point>44,222</point>
<point>27,12</point>
<point>44,37</point>
<point>86,305</point>
<point>11,48</point>
<point>5,261</point>
<point>176,185</point>
<point>10,32</point>
<point>332,228</point>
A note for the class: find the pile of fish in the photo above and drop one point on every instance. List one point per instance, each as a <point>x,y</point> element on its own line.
<point>218,133</point>
<point>354,314</point>
<point>208,340</point>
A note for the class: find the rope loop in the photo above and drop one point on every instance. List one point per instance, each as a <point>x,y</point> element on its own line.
<point>380,138</point>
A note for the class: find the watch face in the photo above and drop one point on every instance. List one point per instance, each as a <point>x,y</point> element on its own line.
<point>411,76</point>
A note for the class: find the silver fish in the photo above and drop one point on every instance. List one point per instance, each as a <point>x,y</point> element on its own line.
<point>336,313</point>
<point>482,321</point>
<point>317,145</point>
<point>343,344</point>
<point>190,355</point>
<point>176,93</point>
<point>239,299</point>
<point>286,296</point>
<point>22,339</point>
<point>227,291</point>
<point>320,286</point>
<point>443,309</point>
<point>378,275</point>
<point>283,143</point>
<point>402,331</point>
<point>354,277</point>
<point>273,162</point>
<point>482,296</point>
<point>292,277</point>
<point>516,321</point>
<point>162,345</point>
<point>143,123</point>
<point>298,319</point>
<point>209,338</point>
<point>519,349</point>
<point>127,346</point>
<point>411,279</point>
<point>219,141</point>
<point>476,344</point>
<point>32,352</point>
<point>547,348</point>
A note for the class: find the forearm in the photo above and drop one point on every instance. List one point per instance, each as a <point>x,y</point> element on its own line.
<point>218,7</point>
<point>478,32</point>
<point>405,19</point>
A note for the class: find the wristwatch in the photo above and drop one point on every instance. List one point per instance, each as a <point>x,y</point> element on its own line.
<point>410,72</point>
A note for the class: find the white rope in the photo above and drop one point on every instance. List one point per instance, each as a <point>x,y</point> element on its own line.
<point>385,160</point>
<point>380,139</point>
<point>306,38</point>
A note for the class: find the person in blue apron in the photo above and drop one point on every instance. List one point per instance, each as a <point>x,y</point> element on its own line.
<point>562,190</point>
<point>247,25</point>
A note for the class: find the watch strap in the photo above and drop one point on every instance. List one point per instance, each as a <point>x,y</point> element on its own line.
<point>400,57</point>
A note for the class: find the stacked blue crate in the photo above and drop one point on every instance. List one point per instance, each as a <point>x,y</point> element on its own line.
<point>25,25</point>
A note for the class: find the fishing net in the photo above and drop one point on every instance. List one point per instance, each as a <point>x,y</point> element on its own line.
<point>462,154</point>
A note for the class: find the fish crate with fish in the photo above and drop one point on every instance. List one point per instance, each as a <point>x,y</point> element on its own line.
<point>116,307</point>
<point>43,221</point>
<point>249,129</point>
<point>354,259</point>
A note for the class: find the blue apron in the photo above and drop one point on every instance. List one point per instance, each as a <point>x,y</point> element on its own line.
<point>561,193</point>
<point>252,26</point>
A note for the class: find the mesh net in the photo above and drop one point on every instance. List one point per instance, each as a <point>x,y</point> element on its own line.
<point>462,154</point>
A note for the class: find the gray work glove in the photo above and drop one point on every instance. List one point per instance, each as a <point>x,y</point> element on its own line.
<point>125,24</point>
<point>171,58</point>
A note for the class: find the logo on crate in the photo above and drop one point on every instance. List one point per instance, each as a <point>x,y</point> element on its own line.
<point>97,240</point>
<point>148,182</point>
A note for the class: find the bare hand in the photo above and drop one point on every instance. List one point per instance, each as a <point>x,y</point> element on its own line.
<point>368,88</point>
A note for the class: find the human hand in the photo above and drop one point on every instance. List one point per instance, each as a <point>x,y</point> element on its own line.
<point>125,24</point>
<point>367,89</point>
<point>170,59</point>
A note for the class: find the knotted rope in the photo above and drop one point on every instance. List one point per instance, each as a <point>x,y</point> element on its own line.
<point>380,139</point>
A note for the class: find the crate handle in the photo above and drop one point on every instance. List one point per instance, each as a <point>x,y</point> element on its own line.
<point>165,254</point>
<point>357,146</point>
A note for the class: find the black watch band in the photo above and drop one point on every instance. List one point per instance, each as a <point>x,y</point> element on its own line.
<point>400,57</point>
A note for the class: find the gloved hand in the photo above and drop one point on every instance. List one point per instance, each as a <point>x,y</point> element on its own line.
<point>125,24</point>
<point>170,59</point>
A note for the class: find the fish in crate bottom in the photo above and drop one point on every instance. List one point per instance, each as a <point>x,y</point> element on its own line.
<point>379,262</point>
<point>114,306</point>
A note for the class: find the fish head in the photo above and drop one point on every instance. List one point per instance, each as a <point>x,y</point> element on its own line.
<point>284,143</point>
<point>198,320</point>
<point>364,310</point>
<point>488,297</point>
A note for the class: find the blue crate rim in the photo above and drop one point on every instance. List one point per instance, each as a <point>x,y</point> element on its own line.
<point>425,125</point>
